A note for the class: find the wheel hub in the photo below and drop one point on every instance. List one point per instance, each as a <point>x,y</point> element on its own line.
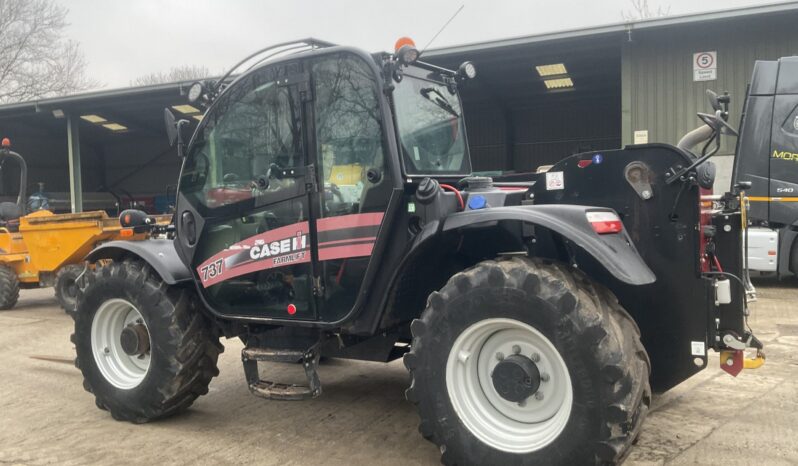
<point>509,385</point>
<point>135,339</point>
<point>516,378</point>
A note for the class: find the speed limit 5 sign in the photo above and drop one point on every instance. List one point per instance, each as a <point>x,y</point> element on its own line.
<point>705,66</point>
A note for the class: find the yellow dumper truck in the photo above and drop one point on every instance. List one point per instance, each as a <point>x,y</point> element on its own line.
<point>46,249</point>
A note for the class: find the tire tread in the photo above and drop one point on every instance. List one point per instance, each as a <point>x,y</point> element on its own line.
<point>191,367</point>
<point>590,308</point>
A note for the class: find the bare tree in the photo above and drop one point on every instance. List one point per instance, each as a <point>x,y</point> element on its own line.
<point>642,10</point>
<point>36,60</point>
<point>176,74</point>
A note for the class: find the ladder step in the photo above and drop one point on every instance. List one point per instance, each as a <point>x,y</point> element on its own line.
<point>281,391</point>
<point>272,354</point>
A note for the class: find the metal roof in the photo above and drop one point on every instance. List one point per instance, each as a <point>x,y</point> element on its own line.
<point>178,88</point>
<point>623,27</point>
<point>175,89</point>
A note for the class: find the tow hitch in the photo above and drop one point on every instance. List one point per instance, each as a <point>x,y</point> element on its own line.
<point>733,360</point>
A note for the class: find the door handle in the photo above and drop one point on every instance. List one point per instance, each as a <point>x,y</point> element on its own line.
<point>189,228</point>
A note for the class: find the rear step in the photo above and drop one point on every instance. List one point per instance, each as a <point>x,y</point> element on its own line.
<point>281,391</point>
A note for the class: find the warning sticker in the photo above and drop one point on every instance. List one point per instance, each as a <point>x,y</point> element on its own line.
<point>697,348</point>
<point>555,180</point>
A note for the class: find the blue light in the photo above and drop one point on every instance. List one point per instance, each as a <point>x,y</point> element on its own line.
<point>477,202</point>
<point>598,158</point>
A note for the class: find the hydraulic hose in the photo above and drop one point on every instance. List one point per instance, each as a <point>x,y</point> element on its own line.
<point>695,137</point>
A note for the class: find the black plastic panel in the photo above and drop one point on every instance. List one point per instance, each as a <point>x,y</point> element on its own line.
<point>788,76</point>
<point>764,79</point>
<point>674,311</point>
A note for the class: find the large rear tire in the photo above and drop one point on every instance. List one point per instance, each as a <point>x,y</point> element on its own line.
<point>521,361</point>
<point>144,349</point>
<point>9,287</point>
<point>66,287</point>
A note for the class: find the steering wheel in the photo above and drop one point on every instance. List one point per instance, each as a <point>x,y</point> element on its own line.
<point>230,178</point>
<point>335,191</point>
<point>273,172</point>
<point>341,206</point>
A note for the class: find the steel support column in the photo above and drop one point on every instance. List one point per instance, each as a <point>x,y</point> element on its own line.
<point>626,92</point>
<point>75,182</point>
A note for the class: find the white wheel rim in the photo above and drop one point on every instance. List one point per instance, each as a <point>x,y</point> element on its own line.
<point>120,369</point>
<point>502,424</point>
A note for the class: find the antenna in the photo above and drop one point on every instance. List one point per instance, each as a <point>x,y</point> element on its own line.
<point>442,28</point>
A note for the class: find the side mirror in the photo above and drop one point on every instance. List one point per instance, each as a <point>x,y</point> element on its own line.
<point>713,100</point>
<point>174,131</point>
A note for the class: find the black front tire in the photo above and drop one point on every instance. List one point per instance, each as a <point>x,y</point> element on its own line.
<point>9,288</point>
<point>183,347</point>
<point>66,287</point>
<point>597,340</point>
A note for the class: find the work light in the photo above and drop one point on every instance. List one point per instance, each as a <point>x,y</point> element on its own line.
<point>195,92</point>
<point>467,70</point>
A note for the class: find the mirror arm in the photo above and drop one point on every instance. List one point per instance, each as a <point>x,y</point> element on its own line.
<point>181,145</point>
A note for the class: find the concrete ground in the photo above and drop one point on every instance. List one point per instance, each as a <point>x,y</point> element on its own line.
<point>362,418</point>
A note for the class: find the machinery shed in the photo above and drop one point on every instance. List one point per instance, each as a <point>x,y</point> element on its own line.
<point>96,150</point>
<point>536,100</point>
<point>629,82</point>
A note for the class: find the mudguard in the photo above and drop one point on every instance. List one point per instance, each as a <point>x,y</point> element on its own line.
<point>160,254</point>
<point>616,252</point>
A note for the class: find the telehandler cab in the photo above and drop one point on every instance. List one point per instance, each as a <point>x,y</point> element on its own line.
<point>326,207</point>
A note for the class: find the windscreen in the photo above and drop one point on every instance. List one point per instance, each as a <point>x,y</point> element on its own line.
<point>431,130</point>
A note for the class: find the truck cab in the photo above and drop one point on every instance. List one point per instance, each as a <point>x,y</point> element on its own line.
<point>767,157</point>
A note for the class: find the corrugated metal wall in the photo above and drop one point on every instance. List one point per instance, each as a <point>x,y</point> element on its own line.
<point>541,132</point>
<point>487,136</point>
<point>550,131</point>
<point>664,98</point>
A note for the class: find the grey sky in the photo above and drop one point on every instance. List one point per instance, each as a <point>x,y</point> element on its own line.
<point>126,39</point>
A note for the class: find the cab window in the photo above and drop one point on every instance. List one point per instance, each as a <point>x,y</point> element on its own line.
<point>431,129</point>
<point>253,128</point>
<point>349,134</point>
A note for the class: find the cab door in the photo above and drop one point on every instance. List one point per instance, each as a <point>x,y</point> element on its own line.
<point>355,183</point>
<point>784,158</point>
<point>242,215</point>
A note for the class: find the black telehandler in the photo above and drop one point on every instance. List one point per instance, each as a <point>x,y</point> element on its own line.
<point>326,208</point>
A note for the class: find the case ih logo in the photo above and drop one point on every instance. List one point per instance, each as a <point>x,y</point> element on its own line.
<point>283,251</point>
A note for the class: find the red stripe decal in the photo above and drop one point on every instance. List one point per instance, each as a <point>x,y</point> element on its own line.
<point>349,221</point>
<point>348,240</point>
<point>288,245</point>
<point>341,252</point>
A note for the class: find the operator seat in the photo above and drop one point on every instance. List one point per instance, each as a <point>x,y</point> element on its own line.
<point>9,215</point>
